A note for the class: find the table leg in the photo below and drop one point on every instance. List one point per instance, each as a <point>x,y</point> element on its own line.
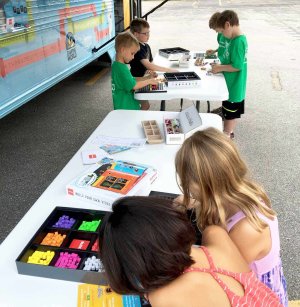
<point>163,105</point>
<point>181,103</point>
<point>198,105</point>
<point>208,106</point>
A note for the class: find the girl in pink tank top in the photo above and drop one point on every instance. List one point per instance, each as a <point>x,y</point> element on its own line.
<point>214,180</point>
<point>256,294</point>
<point>146,246</point>
<point>269,268</point>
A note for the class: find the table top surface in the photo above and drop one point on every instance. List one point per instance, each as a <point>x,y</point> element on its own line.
<point>23,290</point>
<point>211,88</point>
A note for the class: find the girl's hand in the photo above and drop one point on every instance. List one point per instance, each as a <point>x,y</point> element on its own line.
<point>179,202</point>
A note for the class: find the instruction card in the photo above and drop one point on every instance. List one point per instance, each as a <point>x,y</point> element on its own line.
<point>103,296</point>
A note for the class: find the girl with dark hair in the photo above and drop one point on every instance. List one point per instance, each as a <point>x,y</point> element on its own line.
<point>146,245</point>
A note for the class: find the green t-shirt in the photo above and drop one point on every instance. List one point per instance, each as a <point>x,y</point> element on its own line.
<point>122,84</point>
<point>223,42</point>
<point>236,55</point>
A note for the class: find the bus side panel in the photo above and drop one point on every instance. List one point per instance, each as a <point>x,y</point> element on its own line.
<point>58,40</point>
<point>126,12</point>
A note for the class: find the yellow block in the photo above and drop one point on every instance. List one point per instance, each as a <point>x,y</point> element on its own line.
<point>294,303</point>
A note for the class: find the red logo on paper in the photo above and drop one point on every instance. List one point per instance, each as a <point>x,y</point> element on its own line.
<point>70,191</point>
<point>92,156</point>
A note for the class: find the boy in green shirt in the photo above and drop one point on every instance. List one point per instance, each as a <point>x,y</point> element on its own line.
<point>123,83</point>
<point>234,67</point>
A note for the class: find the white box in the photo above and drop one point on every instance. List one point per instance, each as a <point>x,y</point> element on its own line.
<point>92,186</point>
<point>182,79</point>
<point>188,122</point>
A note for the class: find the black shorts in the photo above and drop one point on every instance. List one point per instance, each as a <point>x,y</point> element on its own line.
<point>232,110</point>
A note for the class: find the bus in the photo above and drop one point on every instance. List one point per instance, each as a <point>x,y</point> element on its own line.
<point>44,41</point>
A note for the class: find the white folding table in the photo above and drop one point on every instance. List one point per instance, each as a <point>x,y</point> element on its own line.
<point>23,290</point>
<point>212,87</point>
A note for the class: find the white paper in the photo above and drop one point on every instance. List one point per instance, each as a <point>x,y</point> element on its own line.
<point>108,140</point>
<point>91,156</point>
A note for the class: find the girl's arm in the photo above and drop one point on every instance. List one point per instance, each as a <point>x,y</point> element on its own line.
<point>252,244</point>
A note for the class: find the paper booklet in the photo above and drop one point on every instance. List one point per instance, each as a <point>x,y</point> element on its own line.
<point>96,296</point>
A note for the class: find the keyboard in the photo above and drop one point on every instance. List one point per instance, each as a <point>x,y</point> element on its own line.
<point>159,88</point>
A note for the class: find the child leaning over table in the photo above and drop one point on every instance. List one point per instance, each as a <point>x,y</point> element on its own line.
<point>122,82</point>
<point>234,67</point>
<point>142,63</point>
<point>214,180</point>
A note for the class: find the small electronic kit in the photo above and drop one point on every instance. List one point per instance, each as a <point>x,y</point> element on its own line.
<point>152,132</point>
<point>173,54</point>
<point>210,56</point>
<point>178,128</point>
<point>182,79</point>
<point>159,88</point>
<point>199,61</point>
<point>199,55</point>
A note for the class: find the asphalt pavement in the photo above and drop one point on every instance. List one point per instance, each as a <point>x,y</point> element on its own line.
<point>38,139</point>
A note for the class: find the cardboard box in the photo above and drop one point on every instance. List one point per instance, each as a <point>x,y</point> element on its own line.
<point>111,179</point>
<point>179,127</point>
<point>71,233</point>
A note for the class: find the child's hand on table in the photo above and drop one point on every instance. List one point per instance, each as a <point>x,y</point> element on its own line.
<point>151,74</point>
<point>153,81</point>
<point>216,68</point>
<point>210,51</point>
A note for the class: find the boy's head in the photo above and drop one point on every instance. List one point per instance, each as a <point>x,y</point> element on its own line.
<point>226,21</point>
<point>212,23</point>
<point>126,46</point>
<point>145,243</point>
<point>140,29</point>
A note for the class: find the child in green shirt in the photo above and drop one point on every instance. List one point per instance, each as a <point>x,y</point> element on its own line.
<point>234,67</point>
<point>122,82</point>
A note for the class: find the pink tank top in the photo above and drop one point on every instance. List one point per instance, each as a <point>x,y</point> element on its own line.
<point>267,263</point>
<point>256,294</point>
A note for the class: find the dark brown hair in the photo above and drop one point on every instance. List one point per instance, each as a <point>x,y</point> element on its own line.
<point>145,243</point>
<point>138,24</point>
<point>212,23</point>
<point>229,16</point>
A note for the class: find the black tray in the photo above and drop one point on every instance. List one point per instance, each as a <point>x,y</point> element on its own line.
<point>50,271</point>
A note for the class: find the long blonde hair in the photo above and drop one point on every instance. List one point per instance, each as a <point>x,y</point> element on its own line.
<point>211,171</point>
